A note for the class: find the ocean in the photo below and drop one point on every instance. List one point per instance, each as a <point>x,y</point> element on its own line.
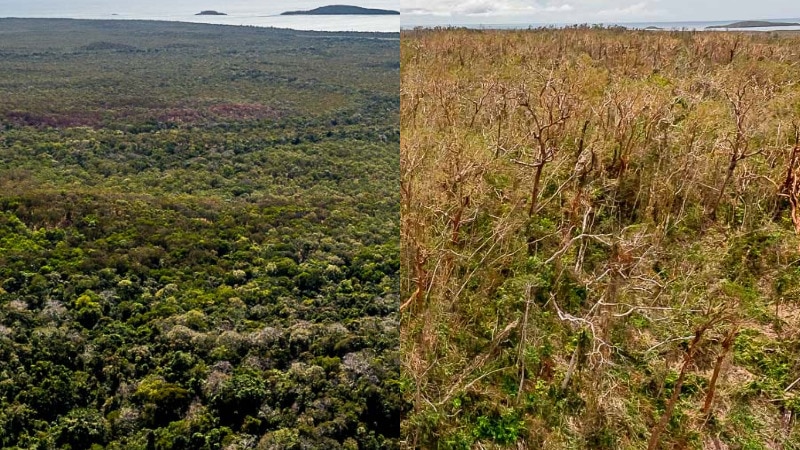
<point>239,12</point>
<point>695,26</point>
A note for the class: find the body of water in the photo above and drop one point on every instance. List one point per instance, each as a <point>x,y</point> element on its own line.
<point>705,25</point>
<point>697,26</point>
<point>239,12</point>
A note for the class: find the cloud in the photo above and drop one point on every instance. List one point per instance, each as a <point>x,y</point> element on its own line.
<point>640,9</point>
<point>563,8</point>
<point>482,7</point>
<point>454,12</point>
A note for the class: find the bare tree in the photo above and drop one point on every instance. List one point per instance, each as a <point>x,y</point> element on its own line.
<point>741,102</point>
<point>545,115</point>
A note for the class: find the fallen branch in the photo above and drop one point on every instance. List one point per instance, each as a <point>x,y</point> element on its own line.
<point>478,362</point>
<point>597,237</point>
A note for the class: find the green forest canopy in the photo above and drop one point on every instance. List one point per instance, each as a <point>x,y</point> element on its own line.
<point>198,237</point>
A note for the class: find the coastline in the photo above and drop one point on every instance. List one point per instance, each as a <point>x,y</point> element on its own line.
<point>412,22</point>
<point>117,19</point>
<point>332,24</point>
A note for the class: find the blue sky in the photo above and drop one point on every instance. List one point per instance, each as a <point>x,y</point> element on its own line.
<point>592,11</point>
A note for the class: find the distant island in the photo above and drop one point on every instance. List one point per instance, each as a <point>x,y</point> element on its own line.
<point>756,24</point>
<point>653,28</point>
<point>210,13</point>
<point>344,10</point>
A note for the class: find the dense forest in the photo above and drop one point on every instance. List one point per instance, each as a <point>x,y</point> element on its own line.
<point>199,237</point>
<point>600,239</point>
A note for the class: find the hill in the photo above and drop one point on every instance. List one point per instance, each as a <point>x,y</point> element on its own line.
<point>756,24</point>
<point>341,10</point>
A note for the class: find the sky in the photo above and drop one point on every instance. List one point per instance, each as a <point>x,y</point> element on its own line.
<point>426,12</point>
<point>69,8</point>
<point>442,12</point>
<point>262,13</point>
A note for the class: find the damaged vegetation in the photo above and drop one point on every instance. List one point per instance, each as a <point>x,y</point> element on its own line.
<point>600,239</point>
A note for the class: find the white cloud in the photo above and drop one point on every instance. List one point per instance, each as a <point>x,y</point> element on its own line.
<point>640,9</point>
<point>590,11</point>
<point>563,8</point>
<point>481,7</point>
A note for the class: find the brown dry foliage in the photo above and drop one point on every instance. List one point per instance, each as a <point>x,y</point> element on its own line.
<point>588,214</point>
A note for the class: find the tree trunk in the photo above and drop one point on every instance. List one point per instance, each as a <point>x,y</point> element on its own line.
<point>723,188</point>
<point>676,392</point>
<point>712,384</point>
<point>535,191</point>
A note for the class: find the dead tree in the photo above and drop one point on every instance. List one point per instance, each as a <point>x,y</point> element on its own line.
<point>688,360</point>
<point>727,345</point>
<point>790,189</point>
<point>741,103</point>
<point>545,114</point>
